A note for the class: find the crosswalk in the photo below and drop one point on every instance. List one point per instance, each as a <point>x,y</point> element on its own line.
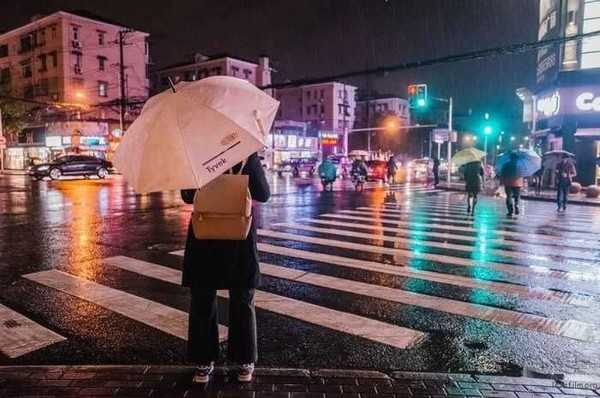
<point>365,271</point>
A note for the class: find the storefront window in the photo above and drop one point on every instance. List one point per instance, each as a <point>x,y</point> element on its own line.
<point>280,141</point>
<point>292,141</point>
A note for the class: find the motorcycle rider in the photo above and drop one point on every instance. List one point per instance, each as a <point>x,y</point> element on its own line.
<point>327,172</point>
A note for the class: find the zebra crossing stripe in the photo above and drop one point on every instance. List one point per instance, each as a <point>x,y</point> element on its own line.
<point>533,259</point>
<point>151,313</point>
<point>370,329</point>
<point>460,215</point>
<point>520,235</point>
<point>513,245</point>
<point>408,255</point>
<point>572,329</point>
<point>20,335</point>
<point>456,280</point>
<point>458,208</point>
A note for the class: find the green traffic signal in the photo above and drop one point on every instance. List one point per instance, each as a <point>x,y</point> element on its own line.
<point>487,130</point>
<point>421,102</point>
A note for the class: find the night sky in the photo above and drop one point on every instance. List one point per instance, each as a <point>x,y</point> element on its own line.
<point>312,38</point>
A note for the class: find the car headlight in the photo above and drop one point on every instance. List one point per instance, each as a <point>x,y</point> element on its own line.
<point>42,168</point>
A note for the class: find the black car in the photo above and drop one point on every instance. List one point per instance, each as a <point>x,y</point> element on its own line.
<point>71,165</point>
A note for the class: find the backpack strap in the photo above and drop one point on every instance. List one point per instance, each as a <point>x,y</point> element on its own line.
<point>243,164</point>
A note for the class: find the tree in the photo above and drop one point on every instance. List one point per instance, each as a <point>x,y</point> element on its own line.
<point>15,115</point>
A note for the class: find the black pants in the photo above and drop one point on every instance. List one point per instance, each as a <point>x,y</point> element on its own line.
<point>562,195</point>
<point>203,332</point>
<point>471,200</point>
<point>512,198</point>
<point>436,178</point>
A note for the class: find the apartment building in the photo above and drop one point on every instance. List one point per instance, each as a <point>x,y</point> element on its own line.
<point>200,66</point>
<point>72,59</point>
<point>328,108</point>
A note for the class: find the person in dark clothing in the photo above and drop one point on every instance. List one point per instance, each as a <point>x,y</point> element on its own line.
<point>391,170</point>
<point>436,171</point>
<point>538,179</point>
<point>512,185</point>
<point>211,265</point>
<point>473,173</point>
<point>565,171</point>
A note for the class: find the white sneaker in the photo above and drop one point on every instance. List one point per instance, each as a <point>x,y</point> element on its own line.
<point>202,374</point>
<point>245,373</point>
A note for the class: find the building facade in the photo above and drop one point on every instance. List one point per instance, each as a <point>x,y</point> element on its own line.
<point>327,108</point>
<point>72,61</point>
<point>201,66</point>
<point>563,109</point>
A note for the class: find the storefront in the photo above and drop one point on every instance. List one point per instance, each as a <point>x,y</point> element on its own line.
<point>289,139</point>
<point>42,144</point>
<point>567,117</point>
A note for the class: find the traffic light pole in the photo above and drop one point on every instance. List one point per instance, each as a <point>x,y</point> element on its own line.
<point>450,109</point>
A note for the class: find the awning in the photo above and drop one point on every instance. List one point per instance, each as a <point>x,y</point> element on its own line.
<point>593,132</point>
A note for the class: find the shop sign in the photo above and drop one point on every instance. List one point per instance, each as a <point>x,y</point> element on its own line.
<point>581,100</point>
<point>588,102</point>
<point>550,105</point>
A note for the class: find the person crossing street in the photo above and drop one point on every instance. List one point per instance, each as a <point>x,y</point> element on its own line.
<point>565,171</point>
<point>513,183</point>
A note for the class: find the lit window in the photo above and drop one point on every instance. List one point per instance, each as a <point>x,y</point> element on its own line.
<point>102,89</point>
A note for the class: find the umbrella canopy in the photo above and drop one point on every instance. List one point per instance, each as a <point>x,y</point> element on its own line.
<point>358,153</point>
<point>527,162</point>
<point>467,155</point>
<point>551,158</point>
<point>186,137</point>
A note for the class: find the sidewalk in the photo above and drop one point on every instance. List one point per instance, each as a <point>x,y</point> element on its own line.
<point>174,381</point>
<point>546,195</point>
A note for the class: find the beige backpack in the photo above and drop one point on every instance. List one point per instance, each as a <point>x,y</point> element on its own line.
<point>223,208</point>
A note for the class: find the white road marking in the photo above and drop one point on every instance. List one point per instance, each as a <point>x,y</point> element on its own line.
<point>525,236</point>
<point>151,313</point>
<point>355,325</point>
<point>533,259</point>
<point>416,255</point>
<point>456,280</point>
<point>20,335</point>
<point>572,329</point>
<point>525,247</point>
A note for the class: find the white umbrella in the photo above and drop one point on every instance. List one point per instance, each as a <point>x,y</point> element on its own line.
<point>187,136</point>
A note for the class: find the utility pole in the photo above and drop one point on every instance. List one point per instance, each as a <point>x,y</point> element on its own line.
<point>2,145</point>
<point>122,100</point>
<point>450,133</point>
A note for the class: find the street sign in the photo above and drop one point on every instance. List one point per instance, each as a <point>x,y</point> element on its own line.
<point>441,135</point>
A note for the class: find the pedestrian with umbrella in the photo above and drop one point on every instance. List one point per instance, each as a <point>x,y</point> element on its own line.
<point>512,167</point>
<point>186,139</point>
<point>565,171</point>
<point>469,160</point>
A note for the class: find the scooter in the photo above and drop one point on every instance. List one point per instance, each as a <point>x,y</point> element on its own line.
<point>327,183</point>
<point>359,182</point>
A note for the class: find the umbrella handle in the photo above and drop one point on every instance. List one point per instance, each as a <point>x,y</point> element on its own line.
<point>261,128</point>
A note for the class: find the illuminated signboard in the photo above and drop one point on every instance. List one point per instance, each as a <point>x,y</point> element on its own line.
<point>584,100</point>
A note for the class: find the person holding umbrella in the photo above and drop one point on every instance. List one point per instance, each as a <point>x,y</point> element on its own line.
<point>473,173</point>
<point>513,183</point>
<point>565,171</point>
<point>201,138</point>
<point>211,265</point>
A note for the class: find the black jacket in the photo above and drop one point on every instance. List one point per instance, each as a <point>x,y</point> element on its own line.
<point>224,264</point>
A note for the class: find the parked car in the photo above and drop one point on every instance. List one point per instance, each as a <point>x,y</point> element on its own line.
<point>298,167</point>
<point>72,165</point>
<point>377,170</point>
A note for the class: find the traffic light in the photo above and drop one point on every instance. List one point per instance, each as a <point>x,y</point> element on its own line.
<point>417,95</point>
<point>487,130</point>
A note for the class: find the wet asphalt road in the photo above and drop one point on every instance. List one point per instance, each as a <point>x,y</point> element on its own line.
<point>461,273</point>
